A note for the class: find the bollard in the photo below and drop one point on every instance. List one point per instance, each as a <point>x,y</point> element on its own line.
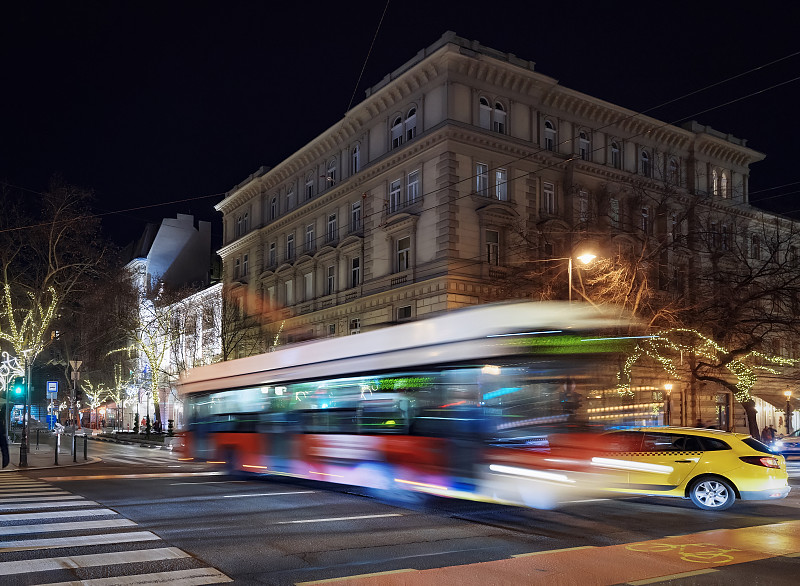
<point>58,445</point>
<point>85,443</point>
<point>37,438</point>
<point>74,448</point>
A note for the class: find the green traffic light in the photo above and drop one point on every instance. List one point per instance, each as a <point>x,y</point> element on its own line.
<point>19,388</point>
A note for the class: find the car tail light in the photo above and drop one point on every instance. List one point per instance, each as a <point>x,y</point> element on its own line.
<point>767,461</point>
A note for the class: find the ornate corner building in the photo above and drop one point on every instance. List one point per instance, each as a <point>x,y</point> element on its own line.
<point>455,168</point>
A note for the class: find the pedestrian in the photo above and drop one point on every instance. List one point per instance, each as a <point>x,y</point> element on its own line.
<point>767,434</point>
<point>773,433</point>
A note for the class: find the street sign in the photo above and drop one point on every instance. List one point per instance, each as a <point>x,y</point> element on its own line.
<point>52,390</point>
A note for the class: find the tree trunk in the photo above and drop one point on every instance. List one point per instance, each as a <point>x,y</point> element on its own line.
<point>750,412</point>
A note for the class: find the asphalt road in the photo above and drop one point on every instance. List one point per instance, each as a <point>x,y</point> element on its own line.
<point>193,522</point>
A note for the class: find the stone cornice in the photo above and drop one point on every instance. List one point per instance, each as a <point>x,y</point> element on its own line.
<point>248,239</point>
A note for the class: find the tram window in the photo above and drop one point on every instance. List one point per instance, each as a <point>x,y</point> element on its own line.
<point>328,421</point>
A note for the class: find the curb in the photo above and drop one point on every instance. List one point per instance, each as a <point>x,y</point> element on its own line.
<point>91,460</point>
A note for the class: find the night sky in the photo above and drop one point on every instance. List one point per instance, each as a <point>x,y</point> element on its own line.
<point>154,102</point>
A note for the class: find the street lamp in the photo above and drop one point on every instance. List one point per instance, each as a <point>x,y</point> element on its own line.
<point>585,259</point>
<point>667,403</point>
<point>788,394</point>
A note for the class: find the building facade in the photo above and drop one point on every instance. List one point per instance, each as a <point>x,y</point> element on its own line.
<point>457,167</point>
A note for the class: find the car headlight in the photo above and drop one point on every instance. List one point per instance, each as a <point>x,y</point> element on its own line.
<point>777,444</point>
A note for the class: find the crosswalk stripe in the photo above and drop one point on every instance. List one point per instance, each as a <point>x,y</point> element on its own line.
<point>55,505</point>
<point>18,485</point>
<point>61,527</point>
<point>78,540</point>
<point>193,577</point>
<point>35,491</point>
<point>91,560</point>
<point>56,514</point>
<point>41,497</point>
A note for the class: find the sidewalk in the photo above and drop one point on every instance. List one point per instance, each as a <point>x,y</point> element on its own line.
<point>44,456</point>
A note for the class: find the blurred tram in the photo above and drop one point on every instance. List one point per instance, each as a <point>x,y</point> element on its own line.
<point>485,403</point>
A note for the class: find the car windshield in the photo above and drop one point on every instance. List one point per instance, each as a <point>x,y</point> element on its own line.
<point>758,446</point>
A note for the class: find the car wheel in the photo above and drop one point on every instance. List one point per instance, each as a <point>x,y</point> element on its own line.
<point>712,494</point>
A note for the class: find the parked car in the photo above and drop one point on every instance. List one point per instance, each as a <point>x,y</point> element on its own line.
<point>788,445</point>
<point>712,468</point>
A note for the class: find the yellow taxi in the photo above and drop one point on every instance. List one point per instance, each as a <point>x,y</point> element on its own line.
<point>712,468</point>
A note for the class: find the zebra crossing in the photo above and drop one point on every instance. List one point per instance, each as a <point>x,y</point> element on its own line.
<point>42,543</point>
<point>150,459</point>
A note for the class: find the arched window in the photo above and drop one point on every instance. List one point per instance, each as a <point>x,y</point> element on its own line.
<point>549,136</point>
<point>499,118</point>
<point>273,208</point>
<point>355,160</point>
<point>723,185</point>
<point>485,113</point>
<point>674,173</point>
<point>616,155</point>
<point>289,197</point>
<point>397,132</point>
<point>310,185</point>
<point>644,164</point>
<point>411,124</point>
<point>714,182</point>
<point>330,173</point>
<point>584,146</point>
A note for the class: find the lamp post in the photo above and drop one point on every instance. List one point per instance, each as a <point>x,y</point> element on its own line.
<point>23,442</point>
<point>667,403</point>
<point>585,258</point>
<point>788,394</point>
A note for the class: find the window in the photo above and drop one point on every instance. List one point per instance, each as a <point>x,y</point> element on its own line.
<point>723,185</point>
<point>394,195</point>
<point>584,146</point>
<point>645,224</point>
<point>397,132</point>
<point>411,124</point>
<point>245,264</point>
<point>355,326</point>
<point>714,236</point>
<point>273,208</point>
<point>330,281</point>
<point>289,197</point>
<point>482,179</point>
<point>289,246</point>
<point>403,253</point>
<point>273,257</point>
<point>549,136</point>
<point>613,211</point>
<point>271,299</point>
<point>484,113</point>
<point>403,312</point>
<point>289,290</point>
<point>309,238</point>
<point>499,124</point>
<point>714,182</point>
<point>308,282</point>
<point>246,223</point>
<point>355,160</point>
<point>644,164</point>
<point>333,229</point>
<point>355,216</point>
<point>237,268</point>
<point>726,238</point>
<point>674,173</point>
<point>755,247</point>
<point>501,184</point>
<point>355,271</point>
<point>309,186</point>
<point>330,173</point>
<point>674,227</point>
<point>239,226</point>
<point>548,198</point>
<point>583,207</point>
<point>493,247</point>
<point>331,330</point>
<point>412,189</point>
<point>616,155</point>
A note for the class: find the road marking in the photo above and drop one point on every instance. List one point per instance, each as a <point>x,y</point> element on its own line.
<point>56,514</point>
<point>343,578</point>
<point>209,482</point>
<point>55,505</point>
<point>673,577</point>
<point>34,491</point>
<point>525,555</point>
<point>65,496</point>
<point>192,577</point>
<point>91,560</point>
<point>340,519</point>
<point>236,496</point>
<point>78,540</point>
<point>132,476</point>
<point>70,526</point>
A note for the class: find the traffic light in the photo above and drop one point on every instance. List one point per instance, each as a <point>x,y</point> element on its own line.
<point>18,389</point>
